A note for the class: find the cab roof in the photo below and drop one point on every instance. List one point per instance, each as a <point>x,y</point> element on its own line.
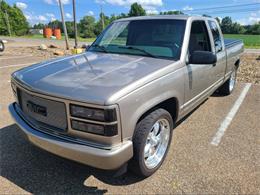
<point>180,17</point>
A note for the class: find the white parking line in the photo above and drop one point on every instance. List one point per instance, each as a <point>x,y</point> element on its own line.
<point>224,125</point>
<point>9,66</point>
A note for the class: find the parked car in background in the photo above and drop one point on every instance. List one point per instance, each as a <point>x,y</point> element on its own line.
<point>120,100</point>
<point>2,46</point>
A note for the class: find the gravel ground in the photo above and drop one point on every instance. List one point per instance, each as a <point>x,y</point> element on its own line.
<point>35,51</point>
<point>249,70</point>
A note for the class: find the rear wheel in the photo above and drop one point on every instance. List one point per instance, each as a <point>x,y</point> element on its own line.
<point>2,46</point>
<point>151,142</point>
<point>228,87</point>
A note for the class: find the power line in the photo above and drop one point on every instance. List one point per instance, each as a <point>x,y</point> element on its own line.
<point>224,7</point>
<point>233,11</point>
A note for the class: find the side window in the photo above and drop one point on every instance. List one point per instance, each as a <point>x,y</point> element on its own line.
<point>199,38</point>
<point>216,36</point>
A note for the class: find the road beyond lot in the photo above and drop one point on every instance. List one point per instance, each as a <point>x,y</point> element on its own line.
<point>193,164</point>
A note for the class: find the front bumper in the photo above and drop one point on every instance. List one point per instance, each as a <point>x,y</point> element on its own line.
<point>96,157</point>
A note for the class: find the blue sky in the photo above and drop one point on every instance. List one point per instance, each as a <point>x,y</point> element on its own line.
<point>46,10</point>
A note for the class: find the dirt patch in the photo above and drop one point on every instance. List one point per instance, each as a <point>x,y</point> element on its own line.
<point>249,70</point>
<point>35,51</point>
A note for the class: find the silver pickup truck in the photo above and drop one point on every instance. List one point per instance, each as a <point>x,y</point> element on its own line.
<point>118,102</point>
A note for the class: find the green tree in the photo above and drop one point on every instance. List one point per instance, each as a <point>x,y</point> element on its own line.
<point>237,29</point>
<point>99,25</point>
<point>87,27</point>
<point>254,29</point>
<point>70,28</point>
<point>38,26</point>
<point>226,25</point>
<point>18,23</point>
<point>56,24</point>
<point>136,10</point>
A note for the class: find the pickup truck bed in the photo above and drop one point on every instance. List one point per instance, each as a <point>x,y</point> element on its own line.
<point>231,42</point>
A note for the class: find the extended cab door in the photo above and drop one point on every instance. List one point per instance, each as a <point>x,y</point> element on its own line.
<point>218,45</point>
<point>200,76</point>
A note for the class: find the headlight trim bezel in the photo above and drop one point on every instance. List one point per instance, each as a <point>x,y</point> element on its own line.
<point>109,114</point>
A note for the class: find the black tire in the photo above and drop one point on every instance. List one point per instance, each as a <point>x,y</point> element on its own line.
<point>143,128</point>
<point>225,88</point>
<point>2,46</point>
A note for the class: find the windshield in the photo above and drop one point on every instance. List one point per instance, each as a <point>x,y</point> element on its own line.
<point>152,38</point>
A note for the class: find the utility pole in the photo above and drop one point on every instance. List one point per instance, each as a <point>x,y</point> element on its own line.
<point>64,25</point>
<point>75,25</point>
<point>8,23</point>
<point>102,17</point>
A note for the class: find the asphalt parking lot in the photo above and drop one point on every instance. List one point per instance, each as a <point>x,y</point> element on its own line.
<point>194,163</point>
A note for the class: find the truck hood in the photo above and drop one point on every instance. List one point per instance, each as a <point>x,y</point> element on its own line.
<point>91,77</point>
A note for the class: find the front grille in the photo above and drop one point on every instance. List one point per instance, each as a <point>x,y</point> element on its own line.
<point>43,113</point>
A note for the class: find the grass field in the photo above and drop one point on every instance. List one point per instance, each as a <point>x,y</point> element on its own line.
<point>250,41</point>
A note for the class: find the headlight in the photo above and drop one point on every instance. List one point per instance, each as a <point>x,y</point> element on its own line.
<point>106,130</point>
<point>108,115</point>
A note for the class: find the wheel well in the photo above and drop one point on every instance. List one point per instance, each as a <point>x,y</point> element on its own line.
<point>171,105</point>
<point>237,63</point>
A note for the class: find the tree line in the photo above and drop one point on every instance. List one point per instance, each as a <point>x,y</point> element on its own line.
<point>89,27</point>
<point>12,20</point>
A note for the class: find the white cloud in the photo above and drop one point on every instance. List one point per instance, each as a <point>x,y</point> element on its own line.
<point>149,5</point>
<point>68,15</point>
<point>41,18</point>
<point>145,3</point>
<point>253,20</point>
<point>151,11</point>
<point>57,1</point>
<point>51,16</point>
<point>187,8</point>
<point>48,1</point>
<point>28,17</point>
<point>21,5</point>
<point>100,1</point>
<point>33,18</point>
<point>254,17</point>
<point>90,13</point>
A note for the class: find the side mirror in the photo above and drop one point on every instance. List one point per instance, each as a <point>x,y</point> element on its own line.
<point>203,57</point>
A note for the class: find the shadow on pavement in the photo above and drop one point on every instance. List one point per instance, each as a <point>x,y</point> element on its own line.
<point>35,170</point>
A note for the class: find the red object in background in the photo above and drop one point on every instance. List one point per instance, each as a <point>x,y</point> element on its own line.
<point>47,32</point>
<point>57,33</point>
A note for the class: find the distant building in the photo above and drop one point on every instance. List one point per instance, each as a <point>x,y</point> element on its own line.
<point>36,31</point>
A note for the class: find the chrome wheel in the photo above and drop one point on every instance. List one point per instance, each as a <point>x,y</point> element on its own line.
<point>232,80</point>
<point>156,143</point>
<point>1,46</point>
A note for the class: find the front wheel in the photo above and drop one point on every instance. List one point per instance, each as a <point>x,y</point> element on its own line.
<point>151,142</point>
<point>2,46</point>
<point>228,87</point>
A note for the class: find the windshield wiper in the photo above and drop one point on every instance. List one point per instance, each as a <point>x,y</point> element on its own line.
<point>103,48</point>
<point>138,49</point>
